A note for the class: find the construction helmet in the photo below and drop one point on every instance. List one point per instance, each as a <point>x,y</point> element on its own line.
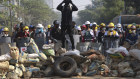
<point>84,26</point>
<point>56,22</point>
<point>49,26</point>
<point>102,25</point>
<point>26,28</point>
<point>39,26</point>
<point>5,29</point>
<point>137,26</point>
<point>129,26</point>
<point>111,25</point>
<point>87,22</point>
<point>119,25</point>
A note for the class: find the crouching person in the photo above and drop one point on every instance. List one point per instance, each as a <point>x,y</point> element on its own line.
<point>56,36</point>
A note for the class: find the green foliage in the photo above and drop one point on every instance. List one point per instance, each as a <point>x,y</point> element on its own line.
<point>132,6</point>
<point>102,11</point>
<point>37,11</point>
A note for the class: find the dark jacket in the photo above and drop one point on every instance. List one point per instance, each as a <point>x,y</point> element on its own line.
<point>56,33</point>
<point>66,11</point>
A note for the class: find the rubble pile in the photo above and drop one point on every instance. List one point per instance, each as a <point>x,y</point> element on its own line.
<point>46,63</point>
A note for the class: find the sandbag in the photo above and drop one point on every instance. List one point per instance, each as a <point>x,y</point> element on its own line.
<point>91,73</point>
<point>33,55</point>
<point>5,57</point>
<point>135,53</point>
<point>18,71</point>
<point>61,51</point>
<point>84,67</point>
<point>114,73</point>
<point>11,67</point>
<point>4,65</point>
<point>48,71</point>
<point>78,72</point>
<point>75,52</point>
<point>128,72</point>
<point>106,68</point>
<point>31,60</point>
<point>120,49</point>
<point>93,66</point>
<point>49,52</point>
<point>12,75</point>
<point>42,56</point>
<point>89,52</point>
<point>123,65</point>
<point>33,46</point>
<point>27,74</point>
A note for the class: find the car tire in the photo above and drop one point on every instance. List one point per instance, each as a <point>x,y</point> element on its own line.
<point>65,66</point>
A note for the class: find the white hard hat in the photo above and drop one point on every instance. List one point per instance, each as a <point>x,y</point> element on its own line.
<point>78,28</point>
<point>40,26</point>
<point>119,25</point>
<point>94,23</point>
<point>87,22</point>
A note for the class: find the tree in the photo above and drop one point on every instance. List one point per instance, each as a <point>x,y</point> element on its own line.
<point>135,4</point>
<point>37,11</point>
<point>102,11</point>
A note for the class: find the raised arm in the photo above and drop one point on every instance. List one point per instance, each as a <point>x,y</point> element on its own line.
<point>60,7</point>
<point>74,8</point>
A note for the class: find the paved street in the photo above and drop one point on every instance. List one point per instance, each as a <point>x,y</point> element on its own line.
<point>83,77</point>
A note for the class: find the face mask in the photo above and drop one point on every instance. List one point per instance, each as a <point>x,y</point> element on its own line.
<point>133,31</point>
<point>119,29</point>
<point>39,30</point>
<point>103,29</point>
<point>111,29</point>
<point>26,30</point>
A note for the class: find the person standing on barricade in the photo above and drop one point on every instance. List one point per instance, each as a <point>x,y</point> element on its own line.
<point>55,35</point>
<point>66,23</point>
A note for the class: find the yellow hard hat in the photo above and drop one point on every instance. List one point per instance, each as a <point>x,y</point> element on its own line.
<point>102,25</point>
<point>26,28</point>
<point>129,26</point>
<point>49,26</point>
<point>111,25</point>
<point>137,26</point>
<point>5,29</point>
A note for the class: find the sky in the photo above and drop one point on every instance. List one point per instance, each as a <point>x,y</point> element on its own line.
<point>79,3</point>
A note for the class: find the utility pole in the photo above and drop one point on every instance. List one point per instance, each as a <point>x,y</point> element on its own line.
<point>11,25</point>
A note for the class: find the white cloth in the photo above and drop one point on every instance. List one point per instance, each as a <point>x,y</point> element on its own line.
<point>5,57</point>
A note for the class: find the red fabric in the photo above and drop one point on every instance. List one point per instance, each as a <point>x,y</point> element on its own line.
<point>26,34</point>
